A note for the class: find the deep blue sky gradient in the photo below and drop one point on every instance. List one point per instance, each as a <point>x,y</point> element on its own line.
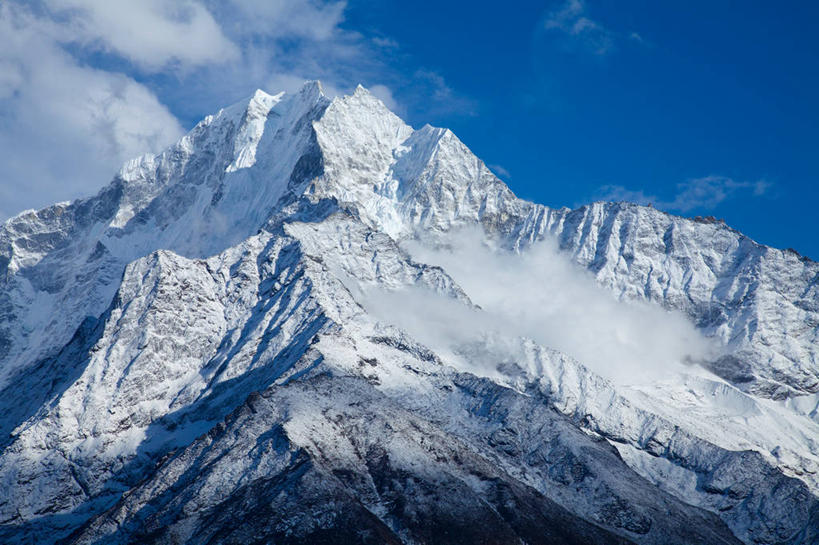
<point>722,88</point>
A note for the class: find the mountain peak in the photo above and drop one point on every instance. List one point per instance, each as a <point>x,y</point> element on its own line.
<point>312,89</point>
<point>260,96</point>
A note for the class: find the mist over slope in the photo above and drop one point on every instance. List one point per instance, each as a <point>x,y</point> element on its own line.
<point>307,308</point>
<point>542,295</point>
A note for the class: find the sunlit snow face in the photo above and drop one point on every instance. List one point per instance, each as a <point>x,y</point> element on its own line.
<point>541,295</point>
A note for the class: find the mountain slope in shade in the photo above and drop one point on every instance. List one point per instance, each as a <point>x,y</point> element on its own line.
<point>195,346</point>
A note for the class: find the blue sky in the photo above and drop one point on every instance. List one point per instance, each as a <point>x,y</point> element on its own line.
<point>701,108</point>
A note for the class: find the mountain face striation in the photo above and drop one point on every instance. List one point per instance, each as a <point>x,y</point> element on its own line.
<point>235,341</point>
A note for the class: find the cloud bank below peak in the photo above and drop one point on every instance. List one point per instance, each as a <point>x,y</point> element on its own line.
<point>540,295</point>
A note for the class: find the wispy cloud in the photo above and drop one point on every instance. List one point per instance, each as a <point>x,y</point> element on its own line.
<point>695,194</point>
<point>442,99</point>
<point>385,43</point>
<point>572,20</point>
<point>500,171</point>
<point>637,38</point>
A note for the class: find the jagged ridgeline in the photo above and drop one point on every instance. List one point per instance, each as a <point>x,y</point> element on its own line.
<point>255,337</point>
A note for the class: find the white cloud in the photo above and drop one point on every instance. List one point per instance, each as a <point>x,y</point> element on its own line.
<point>540,295</point>
<point>151,33</point>
<point>65,128</point>
<point>571,20</point>
<point>703,193</point>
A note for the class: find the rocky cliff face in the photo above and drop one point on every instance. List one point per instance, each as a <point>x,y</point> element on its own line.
<point>193,355</point>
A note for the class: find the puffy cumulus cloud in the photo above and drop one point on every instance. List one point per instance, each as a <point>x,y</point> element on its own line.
<point>541,295</point>
<point>65,127</point>
<point>704,193</point>
<point>150,33</point>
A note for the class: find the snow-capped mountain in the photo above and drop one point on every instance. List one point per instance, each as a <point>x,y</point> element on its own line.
<point>260,336</point>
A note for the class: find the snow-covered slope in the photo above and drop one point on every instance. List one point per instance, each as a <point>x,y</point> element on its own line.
<point>211,190</point>
<point>760,302</point>
<point>198,345</point>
